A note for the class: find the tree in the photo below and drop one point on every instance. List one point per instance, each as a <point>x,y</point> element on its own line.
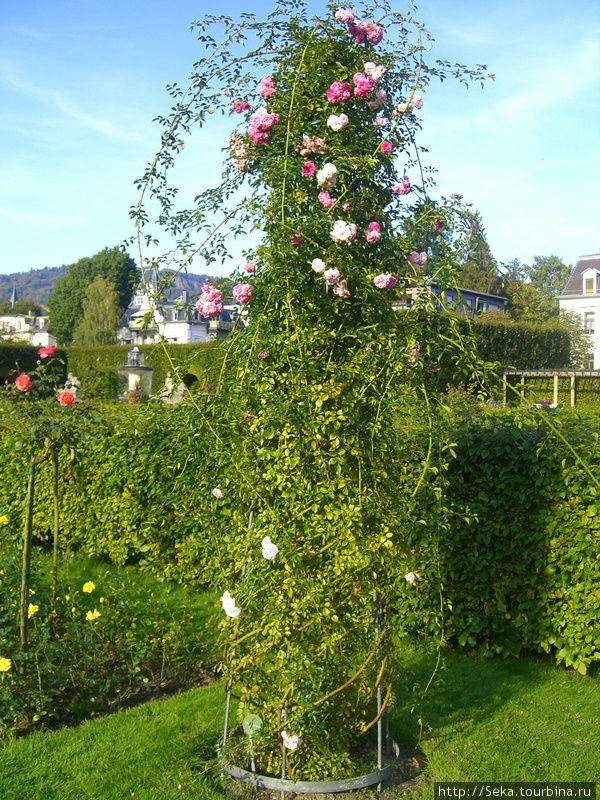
<point>101,314</point>
<point>548,275</point>
<point>66,301</point>
<point>21,306</point>
<point>479,270</point>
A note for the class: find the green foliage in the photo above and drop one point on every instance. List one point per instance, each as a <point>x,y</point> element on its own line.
<point>101,315</point>
<point>523,344</point>
<point>21,306</point>
<point>112,637</point>
<point>17,358</point>
<point>518,563</point>
<point>66,301</point>
<point>548,275</point>
<point>202,360</point>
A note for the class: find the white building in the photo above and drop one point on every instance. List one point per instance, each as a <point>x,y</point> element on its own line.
<point>175,319</point>
<point>26,328</point>
<point>581,295</point>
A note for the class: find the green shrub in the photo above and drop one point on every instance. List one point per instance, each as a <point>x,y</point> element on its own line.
<point>519,565</point>
<point>522,345</point>
<point>24,358</point>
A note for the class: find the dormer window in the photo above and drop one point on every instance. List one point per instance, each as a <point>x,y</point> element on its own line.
<point>590,281</point>
<point>589,286</point>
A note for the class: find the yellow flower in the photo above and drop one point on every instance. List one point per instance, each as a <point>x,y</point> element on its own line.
<point>92,615</point>
<point>32,610</point>
<point>73,610</point>
<point>5,664</point>
<point>67,597</point>
<point>4,520</point>
<point>89,587</point>
<point>102,600</point>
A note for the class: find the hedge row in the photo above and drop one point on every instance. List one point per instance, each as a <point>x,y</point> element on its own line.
<point>522,345</point>
<point>200,360</point>
<point>517,553</point>
<point>21,357</point>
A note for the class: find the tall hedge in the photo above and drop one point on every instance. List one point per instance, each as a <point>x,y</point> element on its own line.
<point>201,359</point>
<point>518,561</point>
<point>522,345</point>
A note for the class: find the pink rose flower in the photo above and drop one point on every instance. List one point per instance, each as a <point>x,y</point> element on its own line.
<point>384,281</point>
<point>297,238</point>
<point>438,224</point>
<point>209,303</point>
<point>250,269</point>
<point>216,492</point>
<point>343,15</point>
<point>325,199</point>
<point>363,84</point>
<point>308,169</point>
<point>418,259</point>
<point>239,106</point>
<point>386,147</point>
<point>358,30</point>
<point>339,92</point>
<point>23,382</point>
<point>65,398</point>
<point>374,32</point>
<point>403,187</point>
<point>346,206</point>
<point>331,276</point>
<point>46,352</point>
<point>341,289</point>
<point>266,87</point>
<point>373,232</point>
<point>417,101</point>
<point>261,122</point>
<point>263,354</point>
<point>242,292</point>
<point>381,121</point>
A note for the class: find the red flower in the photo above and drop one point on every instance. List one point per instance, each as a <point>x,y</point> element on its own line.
<point>23,382</point>
<point>386,147</point>
<point>65,398</point>
<point>46,352</point>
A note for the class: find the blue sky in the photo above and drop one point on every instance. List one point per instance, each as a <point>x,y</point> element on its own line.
<point>81,81</point>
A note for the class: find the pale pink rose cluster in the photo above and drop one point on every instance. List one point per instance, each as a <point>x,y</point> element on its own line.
<point>261,122</point>
<point>361,31</point>
<point>209,303</point>
<point>374,71</point>
<point>331,277</point>
<point>238,147</point>
<point>318,265</point>
<point>373,232</point>
<point>327,176</point>
<point>266,87</point>
<point>311,145</point>
<point>403,187</point>
<point>415,102</point>
<point>379,100</point>
<point>339,92</point>
<point>250,268</point>
<point>242,292</point>
<point>229,606</point>
<point>384,281</point>
<point>337,122</point>
<point>418,259</point>
<point>240,105</point>
<point>343,232</point>
<point>325,199</point>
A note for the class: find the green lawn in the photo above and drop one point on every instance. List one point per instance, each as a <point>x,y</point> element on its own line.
<point>514,720</point>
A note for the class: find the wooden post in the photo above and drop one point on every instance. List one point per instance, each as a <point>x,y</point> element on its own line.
<point>505,390</point>
<point>522,387</point>
<point>573,390</point>
<point>555,401</point>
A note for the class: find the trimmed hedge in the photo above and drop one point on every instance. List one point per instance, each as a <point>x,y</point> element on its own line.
<point>201,360</point>
<point>519,561</point>
<point>23,356</point>
<point>522,345</point>
<point>517,555</point>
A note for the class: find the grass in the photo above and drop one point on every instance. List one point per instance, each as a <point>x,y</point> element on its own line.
<point>512,720</point>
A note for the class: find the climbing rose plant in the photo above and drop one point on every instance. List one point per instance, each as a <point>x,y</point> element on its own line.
<point>309,501</point>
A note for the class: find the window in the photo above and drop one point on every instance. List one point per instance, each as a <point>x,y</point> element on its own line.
<point>588,286</point>
<point>588,363</point>
<point>588,321</point>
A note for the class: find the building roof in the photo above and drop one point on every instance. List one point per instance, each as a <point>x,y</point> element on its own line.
<point>574,284</point>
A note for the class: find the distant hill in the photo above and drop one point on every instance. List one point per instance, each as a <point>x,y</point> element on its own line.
<point>38,284</point>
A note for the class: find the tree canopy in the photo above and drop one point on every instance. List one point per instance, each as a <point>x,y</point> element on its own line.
<point>66,302</point>
<point>101,314</point>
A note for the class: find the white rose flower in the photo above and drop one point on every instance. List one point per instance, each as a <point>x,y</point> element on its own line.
<point>332,276</point>
<point>291,741</point>
<point>337,123</point>
<point>269,550</point>
<point>318,265</point>
<point>343,232</point>
<point>374,71</point>
<point>327,176</point>
<point>411,577</point>
<point>229,606</point>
